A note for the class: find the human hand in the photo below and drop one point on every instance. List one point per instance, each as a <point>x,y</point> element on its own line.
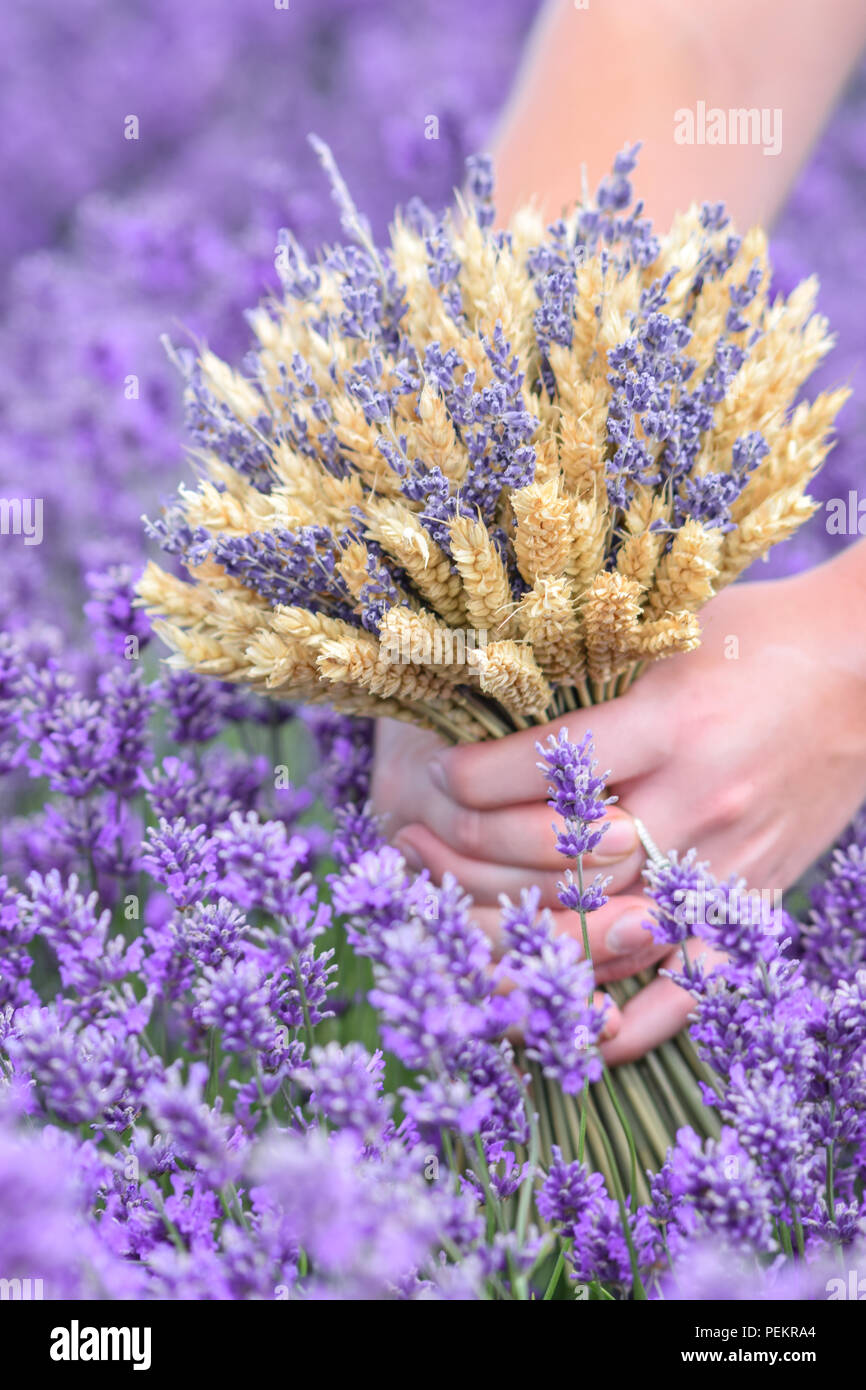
<point>753,749</point>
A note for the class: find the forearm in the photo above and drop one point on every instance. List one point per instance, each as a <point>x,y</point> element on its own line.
<point>596,79</point>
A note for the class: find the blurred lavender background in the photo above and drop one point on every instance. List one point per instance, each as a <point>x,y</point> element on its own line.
<point>109,241</point>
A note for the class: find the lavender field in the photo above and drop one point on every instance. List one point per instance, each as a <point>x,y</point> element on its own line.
<point>247,1051</point>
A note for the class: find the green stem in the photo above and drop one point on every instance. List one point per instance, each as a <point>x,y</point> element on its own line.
<point>305,1007</point>
<point>518,1282</point>
<point>484,715</point>
<point>525,1197</point>
<point>449,1152</point>
<point>212,1066</point>
<point>632,1152</point>
<point>539,1089</point>
<point>785,1238</point>
<point>484,1177</point>
<point>831,1161</point>
<point>630,1081</point>
<point>637,1283</point>
<point>620,1113</point>
<point>581,1138</point>
<point>555,1277</point>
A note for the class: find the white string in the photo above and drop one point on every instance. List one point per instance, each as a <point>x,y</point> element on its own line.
<point>653,852</point>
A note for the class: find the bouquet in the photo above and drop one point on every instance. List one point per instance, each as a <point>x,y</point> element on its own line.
<point>480,478</point>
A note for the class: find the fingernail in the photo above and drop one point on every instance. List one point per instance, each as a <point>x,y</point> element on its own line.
<point>629,933</point>
<point>436,768</point>
<point>409,853</point>
<point>618,841</point>
<point>610,1027</point>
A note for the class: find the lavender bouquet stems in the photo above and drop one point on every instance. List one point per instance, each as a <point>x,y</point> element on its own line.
<point>621,1126</point>
<point>637,1107</point>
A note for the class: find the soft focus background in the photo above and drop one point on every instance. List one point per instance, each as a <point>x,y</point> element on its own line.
<point>118,775</point>
<point>108,242</point>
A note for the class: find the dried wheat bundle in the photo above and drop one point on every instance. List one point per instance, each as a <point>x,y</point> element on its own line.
<point>539,451</point>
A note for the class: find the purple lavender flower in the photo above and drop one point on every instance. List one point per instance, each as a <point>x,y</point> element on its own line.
<point>345,752</point>
<point>76,748</point>
<point>833,942</point>
<point>355,832</point>
<point>118,627</point>
<point>199,708</point>
<point>715,1187</point>
<point>365,1226</point>
<point>200,1135</point>
<point>345,1085</point>
<point>574,794</point>
<point>210,932</point>
<point>576,1201</point>
<point>181,858</point>
<point>190,237</point>
<point>772,1127</point>
<point>77,933</point>
<point>574,791</point>
<point>125,707</point>
<point>553,988</point>
<point>47,1237</point>
<point>234,998</point>
<point>225,783</point>
<point>11,688</point>
<point>430,960</point>
<point>81,1073</point>
<point>446,1103</point>
<point>256,863</point>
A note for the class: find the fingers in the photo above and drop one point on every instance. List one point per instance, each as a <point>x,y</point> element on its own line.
<point>505,865</point>
<point>658,1012</point>
<point>524,835</point>
<point>612,1015</point>
<point>517,835</point>
<point>628,740</point>
<point>655,1014</point>
<point>483,880</point>
<point>400,780</point>
<point>619,942</point>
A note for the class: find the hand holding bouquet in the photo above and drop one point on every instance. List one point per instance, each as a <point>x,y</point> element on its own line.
<point>480,479</point>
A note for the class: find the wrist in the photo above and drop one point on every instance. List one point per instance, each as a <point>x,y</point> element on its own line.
<point>839,588</point>
<point>829,613</point>
<point>839,599</point>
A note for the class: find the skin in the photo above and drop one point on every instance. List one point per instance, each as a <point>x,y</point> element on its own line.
<point>752,748</point>
<point>596,79</point>
<point>700,749</point>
